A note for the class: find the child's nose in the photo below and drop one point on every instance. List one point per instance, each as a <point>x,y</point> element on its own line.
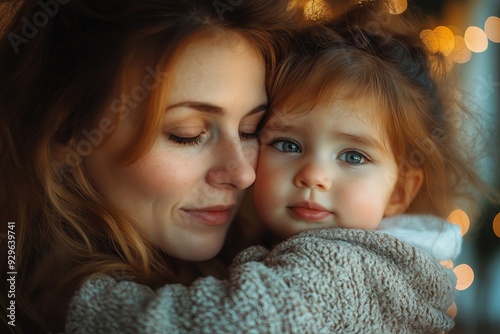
<point>314,175</point>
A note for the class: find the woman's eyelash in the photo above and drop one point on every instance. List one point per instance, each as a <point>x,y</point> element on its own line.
<point>185,140</point>
<point>196,140</point>
<point>248,136</point>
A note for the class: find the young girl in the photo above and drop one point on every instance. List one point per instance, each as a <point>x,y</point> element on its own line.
<point>362,131</point>
<point>128,137</point>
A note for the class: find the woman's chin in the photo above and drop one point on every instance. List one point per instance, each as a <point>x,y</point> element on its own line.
<point>197,250</point>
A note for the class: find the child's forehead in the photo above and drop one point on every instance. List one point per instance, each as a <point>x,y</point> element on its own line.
<point>364,109</point>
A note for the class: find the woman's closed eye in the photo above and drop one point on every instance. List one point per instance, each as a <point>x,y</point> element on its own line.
<point>186,134</point>
<point>353,157</point>
<point>248,127</point>
<point>185,140</point>
<point>248,135</point>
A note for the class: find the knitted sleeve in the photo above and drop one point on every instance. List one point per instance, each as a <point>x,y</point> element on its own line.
<point>255,299</point>
<point>317,282</point>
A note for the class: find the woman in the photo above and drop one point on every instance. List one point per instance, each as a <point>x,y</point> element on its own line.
<point>128,129</point>
<point>123,120</point>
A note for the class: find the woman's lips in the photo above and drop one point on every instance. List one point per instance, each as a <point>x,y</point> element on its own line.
<point>211,216</point>
<point>309,211</point>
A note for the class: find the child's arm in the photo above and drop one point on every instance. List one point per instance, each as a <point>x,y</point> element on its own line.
<point>255,298</point>
<point>431,234</point>
<point>327,281</point>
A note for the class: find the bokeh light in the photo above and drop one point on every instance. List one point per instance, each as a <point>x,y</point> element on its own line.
<point>461,53</point>
<point>460,218</point>
<point>441,39</point>
<point>316,9</point>
<point>455,30</point>
<point>398,6</point>
<point>492,28</point>
<point>465,276</point>
<point>447,264</point>
<point>476,39</point>
<point>496,225</point>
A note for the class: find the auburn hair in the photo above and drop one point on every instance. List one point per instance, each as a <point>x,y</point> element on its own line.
<point>61,67</point>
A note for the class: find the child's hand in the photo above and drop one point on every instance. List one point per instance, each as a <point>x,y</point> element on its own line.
<point>452,310</point>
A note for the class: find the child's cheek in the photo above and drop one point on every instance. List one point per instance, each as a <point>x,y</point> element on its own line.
<point>364,207</point>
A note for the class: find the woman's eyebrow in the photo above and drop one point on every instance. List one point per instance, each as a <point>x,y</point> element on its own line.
<point>211,108</point>
<point>200,106</point>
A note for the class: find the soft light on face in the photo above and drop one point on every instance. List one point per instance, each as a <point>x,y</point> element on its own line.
<point>185,190</point>
<point>331,167</point>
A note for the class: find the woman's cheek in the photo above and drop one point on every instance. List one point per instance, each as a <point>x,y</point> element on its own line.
<point>251,152</point>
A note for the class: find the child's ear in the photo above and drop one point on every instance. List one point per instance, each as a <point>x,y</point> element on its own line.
<point>404,192</point>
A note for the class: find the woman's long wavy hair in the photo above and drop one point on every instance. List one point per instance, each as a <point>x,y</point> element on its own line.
<point>367,53</point>
<point>62,65</point>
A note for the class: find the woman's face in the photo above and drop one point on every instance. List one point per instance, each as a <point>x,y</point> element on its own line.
<point>185,190</point>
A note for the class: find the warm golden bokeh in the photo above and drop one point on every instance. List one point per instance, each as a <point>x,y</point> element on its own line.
<point>496,225</point>
<point>455,30</point>
<point>398,6</point>
<point>441,40</point>
<point>315,9</point>
<point>492,28</point>
<point>476,39</point>
<point>465,276</point>
<point>461,54</point>
<point>460,218</point>
<point>447,264</point>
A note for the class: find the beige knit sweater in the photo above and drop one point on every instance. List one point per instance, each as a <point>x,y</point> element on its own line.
<point>323,281</point>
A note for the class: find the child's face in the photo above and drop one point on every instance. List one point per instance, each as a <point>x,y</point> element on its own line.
<point>331,167</point>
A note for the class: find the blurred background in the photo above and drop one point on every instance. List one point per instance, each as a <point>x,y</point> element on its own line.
<point>468,33</point>
<point>474,25</point>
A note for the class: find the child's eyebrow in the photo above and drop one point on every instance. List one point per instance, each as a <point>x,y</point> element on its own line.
<point>367,141</point>
<point>278,126</point>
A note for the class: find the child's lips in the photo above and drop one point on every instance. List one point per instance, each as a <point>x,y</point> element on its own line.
<point>309,211</point>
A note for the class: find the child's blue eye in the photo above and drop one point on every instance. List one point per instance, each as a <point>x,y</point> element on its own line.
<point>286,145</point>
<point>353,157</point>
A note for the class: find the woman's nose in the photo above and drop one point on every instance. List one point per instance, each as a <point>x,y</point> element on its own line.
<point>314,176</point>
<point>235,166</point>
